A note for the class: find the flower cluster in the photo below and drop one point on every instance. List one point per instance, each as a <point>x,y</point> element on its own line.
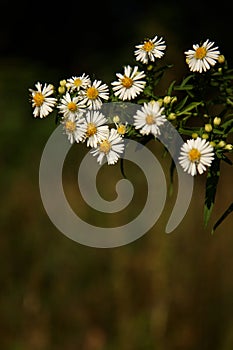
<point>200,107</point>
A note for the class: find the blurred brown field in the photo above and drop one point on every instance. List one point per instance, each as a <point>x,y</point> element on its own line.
<point>163,291</point>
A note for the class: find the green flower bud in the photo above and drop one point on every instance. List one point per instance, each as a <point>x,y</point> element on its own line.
<point>172,116</point>
<point>221,59</point>
<point>194,135</point>
<point>61,90</point>
<point>212,143</point>
<point>221,144</point>
<point>63,82</point>
<point>208,127</point>
<point>229,147</point>
<point>160,102</point>
<point>205,136</point>
<point>217,121</point>
<point>167,100</point>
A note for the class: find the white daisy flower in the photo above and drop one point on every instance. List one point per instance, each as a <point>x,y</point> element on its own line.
<point>201,58</point>
<point>150,50</point>
<point>75,128</point>
<point>71,106</point>
<point>76,83</point>
<point>129,84</point>
<point>94,94</point>
<point>42,103</point>
<point>150,118</point>
<point>111,148</point>
<point>196,155</point>
<point>96,130</point>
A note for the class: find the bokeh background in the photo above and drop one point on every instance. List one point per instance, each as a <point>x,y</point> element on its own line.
<point>165,292</point>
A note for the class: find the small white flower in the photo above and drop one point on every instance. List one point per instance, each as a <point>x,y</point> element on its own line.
<point>129,84</point>
<point>196,155</point>
<point>201,58</point>
<point>42,103</point>
<point>150,50</point>
<point>77,83</point>
<point>94,94</point>
<point>95,127</point>
<point>71,106</point>
<point>111,148</point>
<point>75,128</point>
<point>150,118</point>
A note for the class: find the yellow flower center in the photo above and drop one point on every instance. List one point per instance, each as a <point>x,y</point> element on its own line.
<point>200,52</point>
<point>127,82</point>
<point>105,146</point>
<point>77,82</point>
<point>150,119</point>
<point>148,46</point>
<point>91,129</point>
<point>38,99</point>
<point>194,155</point>
<point>72,106</point>
<point>70,126</point>
<point>92,93</point>
<point>121,129</point>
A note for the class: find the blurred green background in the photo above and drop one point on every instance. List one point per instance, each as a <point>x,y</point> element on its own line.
<point>165,292</point>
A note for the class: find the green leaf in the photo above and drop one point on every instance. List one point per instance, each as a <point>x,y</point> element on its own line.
<point>188,108</point>
<point>223,217</point>
<point>181,104</point>
<point>228,126</point>
<point>226,159</point>
<point>172,169</point>
<point>122,167</point>
<point>211,188</point>
<point>184,82</point>
<point>185,87</point>
<point>170,89</point>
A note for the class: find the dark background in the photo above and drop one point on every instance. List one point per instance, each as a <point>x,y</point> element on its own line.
<point>89,36</point>
<point>166,292</point>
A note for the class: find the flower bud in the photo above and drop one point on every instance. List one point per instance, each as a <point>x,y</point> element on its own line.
<point>167,100</point>
<point>194,135</point>
<point>63,82</point>
<point>221,144</point>
<point>217,121</point>
<point>221,59</point>
<point>173,99</point>
<point>208,127</point>
<point>160,102</point>
<point>205,136</point>
<point>212,143</point>
<point>116,119</point>
<point>172,116</point>
<point>61,89</point>
<point>229,147</point>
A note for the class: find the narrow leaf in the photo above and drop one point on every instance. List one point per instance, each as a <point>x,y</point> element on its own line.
<point>122,167</point>
<point>188,108</point>
<point>172,168</point>
<point>170,89</point>
<point>211,188</point>
<point>223,217</point>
